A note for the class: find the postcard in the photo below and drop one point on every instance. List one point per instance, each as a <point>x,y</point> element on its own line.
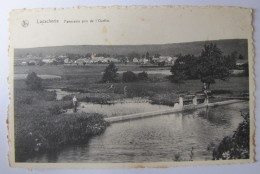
<point>131,87</point>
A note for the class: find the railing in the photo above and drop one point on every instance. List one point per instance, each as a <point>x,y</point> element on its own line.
<point>191,101</point>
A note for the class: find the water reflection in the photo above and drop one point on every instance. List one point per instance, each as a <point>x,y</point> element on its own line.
<point>160,138</point>
<point>118,109</point>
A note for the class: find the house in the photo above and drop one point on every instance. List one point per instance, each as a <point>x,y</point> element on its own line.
<point>48,60</point>
<point>241,62</point>
<point>24,63</point>
<point>111,59</point>
<point>32,62</point>
<point>81,61</point>
<point>135,60</point>
<point>155,59</point>
<point>144,61</point>
<point>68,61</point>
<point>97,59</point>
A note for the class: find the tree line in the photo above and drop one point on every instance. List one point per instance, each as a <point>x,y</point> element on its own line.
<point>209,66</point>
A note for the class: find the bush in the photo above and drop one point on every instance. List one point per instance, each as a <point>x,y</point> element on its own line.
<point>33,82</point>
<point>110,73</point>
<point>45,134</point>
<point>236,146</point>
<point>129,76</point>
<point>142,76</point>
<point>55,110</point>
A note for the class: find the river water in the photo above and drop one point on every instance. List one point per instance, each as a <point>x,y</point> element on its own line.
<point>159,138</point>
<point>118,109</point>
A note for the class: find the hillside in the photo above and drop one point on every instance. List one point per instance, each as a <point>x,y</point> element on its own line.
<point>227,46</point>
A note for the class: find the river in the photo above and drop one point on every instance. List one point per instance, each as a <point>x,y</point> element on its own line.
<point>159,138</point>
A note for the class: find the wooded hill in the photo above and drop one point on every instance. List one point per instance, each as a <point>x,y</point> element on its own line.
<point>227,46</point>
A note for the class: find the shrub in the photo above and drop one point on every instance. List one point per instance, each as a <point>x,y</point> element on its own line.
<point>50,133</point>
<point>110,73</point>
<point>129,76</point>
<point>33,82</point>
<point>236,146</point>
<point>142,76</point>
<point>55,110</point>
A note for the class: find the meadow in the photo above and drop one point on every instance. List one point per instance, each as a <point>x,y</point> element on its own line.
<point>87,80</point>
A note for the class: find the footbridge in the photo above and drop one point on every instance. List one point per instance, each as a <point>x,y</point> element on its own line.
<point>187,102</point>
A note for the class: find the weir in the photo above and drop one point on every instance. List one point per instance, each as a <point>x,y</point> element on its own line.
<point>178,107</point>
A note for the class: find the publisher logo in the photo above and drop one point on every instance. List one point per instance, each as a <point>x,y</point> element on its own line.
<point>25,23</point>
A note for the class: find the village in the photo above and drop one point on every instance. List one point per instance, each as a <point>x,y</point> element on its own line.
<point>92,59</point>
<point>80,60</point>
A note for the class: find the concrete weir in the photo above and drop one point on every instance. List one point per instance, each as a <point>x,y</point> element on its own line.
<point>178,107</point>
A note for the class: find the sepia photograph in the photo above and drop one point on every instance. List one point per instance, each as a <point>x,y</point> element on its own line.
<point>137,90</point>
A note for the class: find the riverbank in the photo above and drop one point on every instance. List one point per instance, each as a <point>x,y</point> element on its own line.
<point>41,126</point>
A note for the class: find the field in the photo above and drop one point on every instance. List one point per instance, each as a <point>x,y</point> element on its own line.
<point>40,124</point>
<point>87,79</point>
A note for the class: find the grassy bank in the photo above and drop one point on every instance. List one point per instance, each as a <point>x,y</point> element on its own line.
<point>41,126</point>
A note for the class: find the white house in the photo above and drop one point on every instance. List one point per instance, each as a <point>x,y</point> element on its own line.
<point>97,59</point>
<point>81,61</point>
<point>135,60</point>
<point>241,62</point>
<point>48,60</point>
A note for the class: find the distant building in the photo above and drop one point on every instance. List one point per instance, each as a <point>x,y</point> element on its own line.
<point>81,61</point>
<point>135,60</point>
<point>111,59</point>
<point>241,62</point>
<point>24,63</point>
<point>32,62</point>
<point>48,60</point>
<point>144,61</point>
<point>97,59</point>
<point>67,61</point>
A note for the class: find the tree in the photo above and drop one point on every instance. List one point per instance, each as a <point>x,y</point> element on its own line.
<point>161,63</point>
<point>240,57</point>
<point>133,55</point>
<point>231,60</point>
<point>110,73</point>
<point>142,76</point>
<point>245,67</point>
<point>184,68</point>
<point>211,65</point>
<point>156,55</point>
<point>129,76</point>
<point>33,82</point>
<point>147,56</point>
<point>178,71</point>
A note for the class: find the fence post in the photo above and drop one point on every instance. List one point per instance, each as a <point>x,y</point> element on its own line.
<point>194,100</point>
<point>181,101</point>
<point>206,101</point>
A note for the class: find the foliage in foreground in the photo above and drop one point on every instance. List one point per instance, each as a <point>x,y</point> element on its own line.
<point>50,132</point>
<point>236,146</point>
